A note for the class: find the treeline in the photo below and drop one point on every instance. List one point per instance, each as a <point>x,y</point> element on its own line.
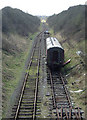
<point>15,20</point>
<point>69,21</point>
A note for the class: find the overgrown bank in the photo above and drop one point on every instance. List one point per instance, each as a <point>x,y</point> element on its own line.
<point>13,65</point>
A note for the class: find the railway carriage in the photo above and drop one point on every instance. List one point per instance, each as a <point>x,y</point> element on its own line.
<point>54,52</point>
<point>46,32</point>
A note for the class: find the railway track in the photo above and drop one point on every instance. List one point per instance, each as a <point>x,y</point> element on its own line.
<point>42,84</point>
<point>62,105</point>
<point>27,104</point>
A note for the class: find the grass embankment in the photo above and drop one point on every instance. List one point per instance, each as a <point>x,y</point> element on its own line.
<point>75,70</point>
<point>13,64</point>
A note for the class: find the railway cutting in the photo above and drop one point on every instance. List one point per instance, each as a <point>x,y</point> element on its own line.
<point>44,92</point>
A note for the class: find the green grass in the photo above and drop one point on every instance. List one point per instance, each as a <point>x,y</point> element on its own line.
<point>12,70</point>
<point>51,32</point>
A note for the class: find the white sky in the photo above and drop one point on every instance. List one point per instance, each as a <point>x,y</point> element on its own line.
<point>41,7</point>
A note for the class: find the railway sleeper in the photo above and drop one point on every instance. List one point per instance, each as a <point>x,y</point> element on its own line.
<point>31,80</point>
<point>29,90</point>
<point>27,102</point>
<point>57,81</point>
<point>63,106</point>
<point>27,105</point>
<point>59,86</point>
<point>38,113</point>
<point>28,98</point>
<point>24,117</point>
<point>61,95</point>
<point>38,110</point>
<point>58,90</point>
<point>29,94</point>
<point>63,113</point>
<point>26,110</point>
<point>30,86</point>
<point>62,103</point>
<point>58,93</point>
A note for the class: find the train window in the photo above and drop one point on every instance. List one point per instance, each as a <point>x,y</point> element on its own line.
<point>55,56</point>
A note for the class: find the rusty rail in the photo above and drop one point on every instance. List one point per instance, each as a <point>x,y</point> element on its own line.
<point>67,94</point>
<point>22,91</point>
<point>54,100</point>
<point>36,90</point>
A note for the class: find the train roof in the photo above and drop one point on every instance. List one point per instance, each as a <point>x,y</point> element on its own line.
<point>52,42</point>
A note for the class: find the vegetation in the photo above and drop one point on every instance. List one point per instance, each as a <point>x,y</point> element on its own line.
<point>69,28</point>
<point>18,32</point>
<point>70,21</point>
<point>15,20</point>
<point>13,65</point>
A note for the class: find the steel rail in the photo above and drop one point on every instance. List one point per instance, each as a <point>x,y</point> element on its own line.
<point>20,99</point>
<point>54,100</point>
<point>79,114</point>
<point>61,113</point>
<point>31,57</point>
<point>67,94</point>
<point>66,114</point>
<point>36,90</point>
<point>76,115</point>
<point>70,111</point>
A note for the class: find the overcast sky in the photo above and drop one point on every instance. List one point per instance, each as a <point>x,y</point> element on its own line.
<point>41,7</point>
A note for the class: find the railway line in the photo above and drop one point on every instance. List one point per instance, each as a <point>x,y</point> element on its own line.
<point>43,87</point>
<point>62,105</point>
<point>26,107</point>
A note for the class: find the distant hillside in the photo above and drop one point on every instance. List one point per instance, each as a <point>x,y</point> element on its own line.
<point>69,21</point>
<point>14,20</point>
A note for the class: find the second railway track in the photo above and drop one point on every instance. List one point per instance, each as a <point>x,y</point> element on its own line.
<point>62,105</point>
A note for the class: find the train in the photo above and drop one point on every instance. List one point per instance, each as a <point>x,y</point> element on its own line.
<point>54,54</point>
<point>47,32</point>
